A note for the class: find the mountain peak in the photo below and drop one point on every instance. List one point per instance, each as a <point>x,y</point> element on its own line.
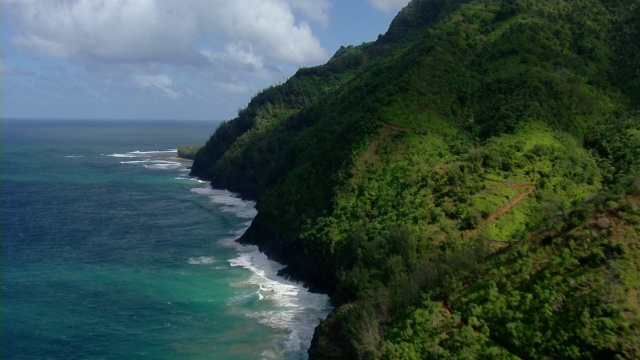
<point>416,17</point>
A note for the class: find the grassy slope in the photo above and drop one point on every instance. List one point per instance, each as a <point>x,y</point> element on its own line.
<point>571,291</point>
<point>434,149</point>
<point>428,185</point>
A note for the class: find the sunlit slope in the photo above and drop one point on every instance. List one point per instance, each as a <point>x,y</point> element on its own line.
<point>390,174</point>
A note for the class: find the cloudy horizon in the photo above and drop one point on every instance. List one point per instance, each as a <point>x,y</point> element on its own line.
<point>188,59</point>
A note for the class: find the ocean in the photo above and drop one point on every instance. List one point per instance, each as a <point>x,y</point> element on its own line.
<point>111,251</point>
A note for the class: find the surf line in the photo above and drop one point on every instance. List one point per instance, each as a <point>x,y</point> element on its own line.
<point>289,306</point>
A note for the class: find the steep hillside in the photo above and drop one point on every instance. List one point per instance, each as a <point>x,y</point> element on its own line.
<point>392,175</point>
<point>571,292</point>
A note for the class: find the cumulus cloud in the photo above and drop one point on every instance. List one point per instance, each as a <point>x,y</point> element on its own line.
<point>186,49</point>
<point>388,5</point>
<point>102,31</point>
<point>130,31</point>
<point>236,56</point>
<point>269,26</point>
<point>159,82</point>
<point>233,88</point>
<point>314,10</point>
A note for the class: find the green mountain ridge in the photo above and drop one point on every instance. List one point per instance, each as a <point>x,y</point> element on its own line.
<point>441,183</point>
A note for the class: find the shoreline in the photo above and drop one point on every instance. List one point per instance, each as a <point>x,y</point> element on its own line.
<point>277,283</point>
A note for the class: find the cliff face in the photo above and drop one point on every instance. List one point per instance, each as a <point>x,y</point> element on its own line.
<point>399,176</point>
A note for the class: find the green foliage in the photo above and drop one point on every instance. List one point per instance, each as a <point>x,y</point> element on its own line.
<point>241,151</point>
<point>617,144</point>
<point>411,178</point>
<point>566,293</point>
<point>429,332</point>
<point>188,152</point>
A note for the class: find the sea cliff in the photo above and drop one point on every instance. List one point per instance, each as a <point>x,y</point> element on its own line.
<point>445,183</point>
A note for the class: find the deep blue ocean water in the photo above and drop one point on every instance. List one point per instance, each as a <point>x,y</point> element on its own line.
<point>111,251</point>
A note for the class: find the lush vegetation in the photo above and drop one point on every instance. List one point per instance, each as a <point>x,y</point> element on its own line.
<point>188,152</point>
<point>466,186</point>
<point>567,292</point>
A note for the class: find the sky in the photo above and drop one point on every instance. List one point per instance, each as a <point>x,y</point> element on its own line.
<point>167,59</point>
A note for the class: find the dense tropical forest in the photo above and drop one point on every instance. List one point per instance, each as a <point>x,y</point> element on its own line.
<point>467,186</point>
<point>188,152</point>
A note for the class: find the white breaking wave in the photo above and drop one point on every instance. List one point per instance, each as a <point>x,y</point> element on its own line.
<point>134,162</point>
<point>123,155</point>
<point>155,164</point>
<point>155,152</point>
<point>190,179</point>
<point>294,309</point>
<point>142,154</point>
<point>201,260</point>
<point>278,303</point>
<point>162,165</point>
<point>229,201</point>
<point>153,160</point>
<point>74,156</point>
<point>197,180</point>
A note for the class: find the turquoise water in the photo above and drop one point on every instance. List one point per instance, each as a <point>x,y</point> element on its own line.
<point>111,251</point>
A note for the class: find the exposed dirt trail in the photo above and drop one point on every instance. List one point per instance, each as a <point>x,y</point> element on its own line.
<point>445,309</point>
<point>503,210</point>
<point>513,202</point>
<point>393,126</point>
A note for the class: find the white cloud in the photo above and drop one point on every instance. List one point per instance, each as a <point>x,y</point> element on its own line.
<point>102,31</point>
<point>271,29</point>
<point>134,31</point>
<point>314,10</point>
<point>212,51</point>
<point>37,43</point>
<point>233,88</point>
<point>388,5</point>
<point>236,55</point>
<point>159,82</point>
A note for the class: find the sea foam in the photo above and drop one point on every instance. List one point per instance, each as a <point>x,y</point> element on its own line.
<point>278,303</point>
<point>293,308</point>
<point>123,155</point>
<point>201,260</point>
<point>142,154</point>
<point>162,165</point>
<point>134,162</point>
<point>230,202</point>
<point>153,160</point>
